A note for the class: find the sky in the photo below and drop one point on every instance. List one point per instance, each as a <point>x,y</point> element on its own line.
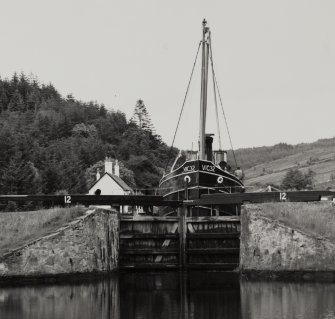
<point>274,61</point>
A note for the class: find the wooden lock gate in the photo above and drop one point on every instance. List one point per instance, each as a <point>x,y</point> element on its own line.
<point>179,242</point>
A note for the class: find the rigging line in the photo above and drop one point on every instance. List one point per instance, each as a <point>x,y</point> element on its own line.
<point>182,108</point>
<point>225,119</point>
<point>215,99</point>
<point>224,114</point>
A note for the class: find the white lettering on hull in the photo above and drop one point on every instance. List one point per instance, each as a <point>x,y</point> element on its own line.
<point>190,168</point>
<point>208,168</point>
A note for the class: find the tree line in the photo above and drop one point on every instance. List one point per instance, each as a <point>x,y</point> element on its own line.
<point>51,144</point>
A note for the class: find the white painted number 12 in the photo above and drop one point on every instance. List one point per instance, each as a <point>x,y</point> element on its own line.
<point>67,199</point>
<point>282,197</point>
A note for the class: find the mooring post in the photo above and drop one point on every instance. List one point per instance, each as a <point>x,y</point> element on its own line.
<point>180,215</point>
<point>118,238</point>
<point>182,212</point>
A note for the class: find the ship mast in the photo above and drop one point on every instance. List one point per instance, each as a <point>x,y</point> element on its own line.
<point>203,98</point>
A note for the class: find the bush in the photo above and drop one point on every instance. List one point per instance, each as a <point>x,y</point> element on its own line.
<point>295,179</point>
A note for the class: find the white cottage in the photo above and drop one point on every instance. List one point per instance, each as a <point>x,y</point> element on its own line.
<point>110,183</point>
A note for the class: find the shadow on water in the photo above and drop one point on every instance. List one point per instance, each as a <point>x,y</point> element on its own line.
<point>170,295</point>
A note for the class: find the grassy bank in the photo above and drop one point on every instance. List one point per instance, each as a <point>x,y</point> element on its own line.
<point>317,219</point>
<point>18,228</point>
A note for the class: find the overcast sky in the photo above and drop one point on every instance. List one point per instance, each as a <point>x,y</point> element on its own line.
<point>275,61</point>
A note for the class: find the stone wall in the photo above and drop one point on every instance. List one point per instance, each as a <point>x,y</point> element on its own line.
<point>88,244</point>
<point>267,245</point>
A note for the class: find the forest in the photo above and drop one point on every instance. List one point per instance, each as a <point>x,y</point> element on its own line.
<point>52,145</point>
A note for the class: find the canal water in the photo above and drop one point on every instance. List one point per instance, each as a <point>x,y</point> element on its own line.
<point>170,295</point>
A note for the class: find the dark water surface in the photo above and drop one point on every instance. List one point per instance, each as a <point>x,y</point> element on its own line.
<point>170,295</point>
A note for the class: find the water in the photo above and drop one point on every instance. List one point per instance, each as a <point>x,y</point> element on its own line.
<point>170,295</point>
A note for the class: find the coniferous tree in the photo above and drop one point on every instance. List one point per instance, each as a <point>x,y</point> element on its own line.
<point>20,177</point>
<point>141,117</point>
<point>51,178</point>
<point>23,86</point>
<point>14,81</point>
<point>33,99</point>
<point>16,103</point>
<point>3,99</point>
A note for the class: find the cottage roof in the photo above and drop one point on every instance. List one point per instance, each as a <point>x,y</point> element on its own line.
<point>117,180</point>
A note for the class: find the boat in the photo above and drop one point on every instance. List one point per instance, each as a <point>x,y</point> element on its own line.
<point>204,171</point>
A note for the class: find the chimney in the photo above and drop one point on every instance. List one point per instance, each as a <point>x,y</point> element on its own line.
<point>108,165</point>
<point>98,174</point>
<point>209,151</point>
<point>117,168</point>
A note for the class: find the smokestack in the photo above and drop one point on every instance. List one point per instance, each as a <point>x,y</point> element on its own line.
<point>209,150</point>
<point>117,168</point>
<point>98,174</point>
<point>108,165</point>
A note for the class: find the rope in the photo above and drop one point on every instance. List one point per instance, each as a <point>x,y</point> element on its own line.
<point>182,108</point>
<point>223,112</point>
<point>225,119</point>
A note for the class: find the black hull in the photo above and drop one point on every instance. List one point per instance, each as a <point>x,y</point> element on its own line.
<point>198,177</point>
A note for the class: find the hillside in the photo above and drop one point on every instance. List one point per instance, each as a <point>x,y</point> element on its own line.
<point>52,144</point>
<point>318,156</point>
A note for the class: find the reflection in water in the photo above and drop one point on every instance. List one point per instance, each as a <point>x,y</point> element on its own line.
<point>170,295</point>
<point>177,295</point>
<point>91,300</point>
<point>264,300</point>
